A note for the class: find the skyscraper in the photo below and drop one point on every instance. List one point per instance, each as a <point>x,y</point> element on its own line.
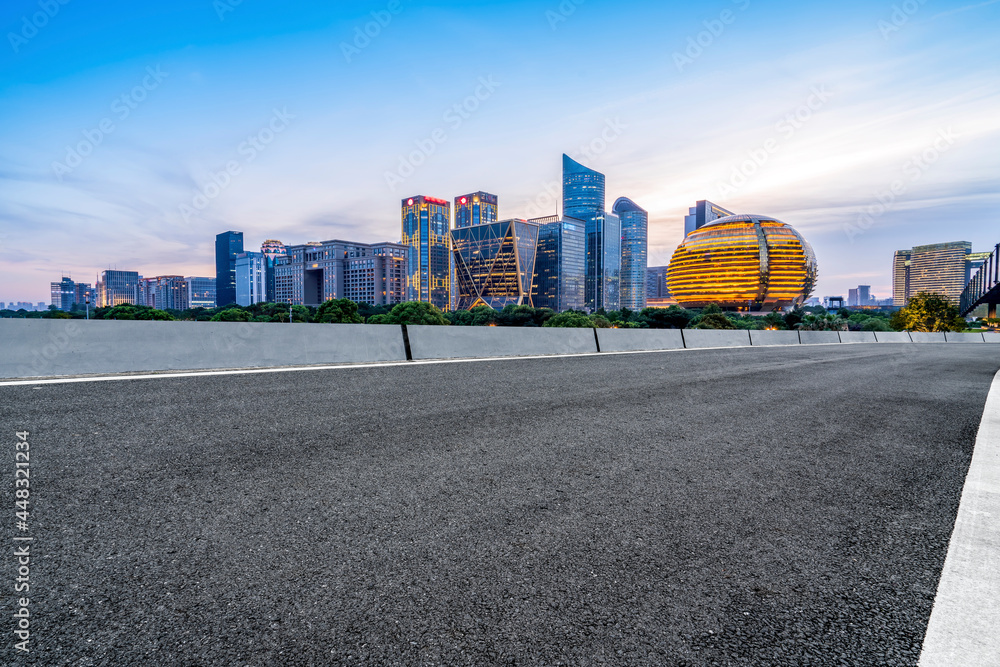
<point>477,208</point>
<point>941,268</point>
<point>583,198</point>
<point>494,263</point>
<point>163,292</point>
<point>63,294</point>
<point>117,287</point>
<point>272,250</point>
<point>656,282</point>
<point>426,232</point>
<point>900,278</point>
<point>634,235</point>
<point>560,264</point>
<point>227,246</point>
<point>251,278</point>
<point>702,213</point>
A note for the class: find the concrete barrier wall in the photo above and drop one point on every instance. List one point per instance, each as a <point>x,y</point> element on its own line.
<point>698,338</point>
<point>927,336</point>
<point>36,347</point>
<point>635,340</point>
<point>819,337</point>
<point>952,337</point>
<point>765,338</point>
<point>892,337</point>
<point>436,342</point>
<point>45,348</point>
<point>857,337</point>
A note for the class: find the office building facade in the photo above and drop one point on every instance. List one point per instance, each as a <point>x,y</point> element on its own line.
<point>702,213</point>
<point>426,233</point>
<point>314,273</point>
<point>253,270</point>
<point>941,268</point>
<point>227,246</point>
<point>63,294</point>
<point>634,239</point>
<point>494,264</point>
<point>583,199</point>
<point>656,283</point>
<point>477,208</point>
<point>560,264</point>
<point>201,292</point>
<point>117,288</point>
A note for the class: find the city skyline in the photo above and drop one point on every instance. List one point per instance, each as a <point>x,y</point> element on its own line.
<point>847,101</point>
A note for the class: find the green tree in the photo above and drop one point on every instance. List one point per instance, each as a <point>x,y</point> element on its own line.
<point>928,312</point>
<point>600,321</point>
<point>673,317</point>
<point>414,312</point>
<point>232,315</point>
<point>569,319</point>
<point>716,320</point>
<point>338,311</point>
<point>876,324</point>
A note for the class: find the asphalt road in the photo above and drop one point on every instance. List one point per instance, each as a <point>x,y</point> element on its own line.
<point>783,506</point>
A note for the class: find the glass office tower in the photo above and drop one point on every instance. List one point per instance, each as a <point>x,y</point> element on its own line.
<point>478,208</point>
<point>583,199</point>
<point>634,234</point>
<point>702,213</point>
<point>426,234</point>
<point>560,264</point>
<point>495,263</point>
<point>227,246</point>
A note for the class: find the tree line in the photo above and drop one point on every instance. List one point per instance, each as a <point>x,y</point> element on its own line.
<point>925,312</point>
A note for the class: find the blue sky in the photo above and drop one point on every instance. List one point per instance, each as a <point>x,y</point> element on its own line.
<point>868,126</point>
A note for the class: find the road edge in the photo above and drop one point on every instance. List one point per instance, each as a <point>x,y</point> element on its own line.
<point>964,622</point>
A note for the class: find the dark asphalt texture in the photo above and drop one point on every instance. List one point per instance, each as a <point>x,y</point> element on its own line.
<point>783,506</point>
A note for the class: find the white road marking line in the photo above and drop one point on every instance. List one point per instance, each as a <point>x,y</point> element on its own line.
<point>964,627</point>
<point>381,364</point>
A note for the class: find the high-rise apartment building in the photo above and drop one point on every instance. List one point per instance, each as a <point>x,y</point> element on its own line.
<point>201,292</point>
<point>583,199</point>
<point>426,234</point>
<point>494,263</point>
<point>560,263</point>
<point>252,273</point>
<point>941,268</point>
<point>477,208</point>
<point>163,292</point>
<point>634,238</point>
<point>117,287</point>
<point>227,246</point>
<point>702,213</point>
<point>314,273</point>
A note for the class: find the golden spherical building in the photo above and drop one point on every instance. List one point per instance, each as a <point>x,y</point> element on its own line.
<point>747,262</point>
